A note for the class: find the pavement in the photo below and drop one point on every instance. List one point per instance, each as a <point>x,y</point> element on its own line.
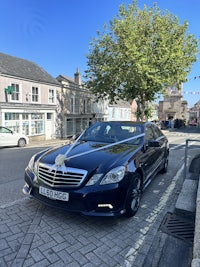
<point>37,236</point>
<point>51,142</point>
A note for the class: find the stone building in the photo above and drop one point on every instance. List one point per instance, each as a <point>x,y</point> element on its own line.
<point>76,105</point>
<point>173,107</point>
<point>194,115</point>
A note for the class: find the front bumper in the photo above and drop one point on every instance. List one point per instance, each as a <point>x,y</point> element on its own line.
<point>101,200</point>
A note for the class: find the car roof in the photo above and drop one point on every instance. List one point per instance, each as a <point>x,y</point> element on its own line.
<point>129,122</point>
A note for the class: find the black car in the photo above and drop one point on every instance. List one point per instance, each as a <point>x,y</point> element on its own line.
<point>103,172</point>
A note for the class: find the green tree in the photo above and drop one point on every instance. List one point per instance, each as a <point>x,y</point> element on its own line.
<point>140,53</point>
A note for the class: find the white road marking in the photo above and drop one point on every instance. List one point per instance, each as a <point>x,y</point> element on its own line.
<point>132,253</point>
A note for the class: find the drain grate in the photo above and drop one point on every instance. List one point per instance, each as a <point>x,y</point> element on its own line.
<point>178,227</point>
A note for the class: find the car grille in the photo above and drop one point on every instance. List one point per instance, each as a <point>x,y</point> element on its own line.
<point>61,176</point>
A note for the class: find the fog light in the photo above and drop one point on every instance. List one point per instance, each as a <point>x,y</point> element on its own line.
<point>105,206</point>
<point>35,179</point>
<point>26,189</point>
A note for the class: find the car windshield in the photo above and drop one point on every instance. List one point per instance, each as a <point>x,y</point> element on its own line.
<point>111,132</point>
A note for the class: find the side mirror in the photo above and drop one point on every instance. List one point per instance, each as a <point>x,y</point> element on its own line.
<point>153,143</point>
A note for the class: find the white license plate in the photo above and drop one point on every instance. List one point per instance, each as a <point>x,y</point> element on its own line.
<point>53,194</point>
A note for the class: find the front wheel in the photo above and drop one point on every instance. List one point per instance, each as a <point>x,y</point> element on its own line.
<point>133,197</point>
<point>21,142</point>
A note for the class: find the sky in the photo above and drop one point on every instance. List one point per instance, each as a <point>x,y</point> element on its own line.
<point>55,34</point>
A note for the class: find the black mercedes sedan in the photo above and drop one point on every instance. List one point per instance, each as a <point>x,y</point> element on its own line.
<point>103,172</point>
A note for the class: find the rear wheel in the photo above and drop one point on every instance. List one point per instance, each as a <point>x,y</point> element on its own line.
<point>133,197</point>
<point>21,142</point>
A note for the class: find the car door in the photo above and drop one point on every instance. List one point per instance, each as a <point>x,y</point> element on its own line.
<point>150,152</point>
<point>161,148</point>
<point>7,138</point>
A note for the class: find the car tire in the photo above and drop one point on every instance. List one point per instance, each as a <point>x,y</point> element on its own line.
<point>133,196</point>
<point>165,166</point>
<point>21,142</point>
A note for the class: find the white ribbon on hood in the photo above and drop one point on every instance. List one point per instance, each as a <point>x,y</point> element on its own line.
<point>60,159</point>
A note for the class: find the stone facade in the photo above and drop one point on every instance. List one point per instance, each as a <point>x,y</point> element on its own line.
<point>76,105</point>
<point>173,107</point>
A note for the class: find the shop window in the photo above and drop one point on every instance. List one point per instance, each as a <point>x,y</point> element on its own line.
<point>25,116</point>
<point>69,130</point>
<point>85,123</point>
<point>49,116</point>
<point>25,127</point>
<point>11,116</point>
<point>78,125</point>
<point>37,124</point>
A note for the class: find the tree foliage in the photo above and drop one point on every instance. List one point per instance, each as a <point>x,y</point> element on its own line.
<point>140,53</point>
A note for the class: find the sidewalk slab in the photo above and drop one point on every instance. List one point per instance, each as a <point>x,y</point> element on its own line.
<point>186,202</point>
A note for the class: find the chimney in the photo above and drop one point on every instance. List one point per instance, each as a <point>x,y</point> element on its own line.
<point>77,77</point>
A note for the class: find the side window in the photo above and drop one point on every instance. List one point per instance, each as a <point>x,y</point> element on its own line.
<point>4,130</point>
<point>149,135</point>
<point>157,132</point>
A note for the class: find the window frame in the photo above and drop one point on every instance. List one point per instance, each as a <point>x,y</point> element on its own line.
<point>35,95</point>
<point>52,97</point>
<point>19,93</point>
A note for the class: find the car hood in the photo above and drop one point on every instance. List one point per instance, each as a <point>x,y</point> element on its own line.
<point>84,156</point>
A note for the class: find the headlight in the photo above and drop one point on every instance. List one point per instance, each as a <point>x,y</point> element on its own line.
<point>114,176</point>
<point>32,165</point>
<point>94,179</point>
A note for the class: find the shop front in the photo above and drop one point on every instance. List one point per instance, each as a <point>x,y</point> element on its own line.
<point>37,124</point>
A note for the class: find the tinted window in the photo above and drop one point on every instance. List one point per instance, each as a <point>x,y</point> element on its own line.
<point>157,132</point>
<point>113,132</point>
<point>149,134</point>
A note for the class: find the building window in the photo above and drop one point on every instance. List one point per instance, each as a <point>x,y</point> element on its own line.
<point>78,125</point>
<point>71,105</point>
<point>16,93</point>
<point>51,96</point>
<point>87,105</point>
<point>84,105</point>
<point>25,123</point>
<point>77,105</point>
<point>85,123</point>
<point>11,116</point>
<point>35,94</point>
<point>49,116</point>
<point>12,121</point>
<point>37,124</point>
<point>69,130</point>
